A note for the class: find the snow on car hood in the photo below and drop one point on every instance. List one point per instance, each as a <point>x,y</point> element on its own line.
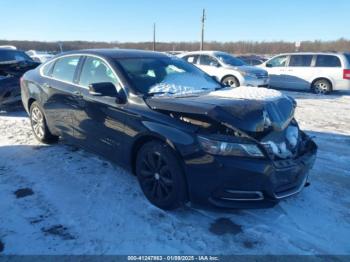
<point>247,108</point>
<point>253,93</point>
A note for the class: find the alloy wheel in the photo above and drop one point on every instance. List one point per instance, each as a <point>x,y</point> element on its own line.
<point>321,88</point>
<point>37,119</point>
<point>156,176</point>
<point>231,82</point>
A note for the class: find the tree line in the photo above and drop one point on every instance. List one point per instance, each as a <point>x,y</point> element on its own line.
<point>240,47</point>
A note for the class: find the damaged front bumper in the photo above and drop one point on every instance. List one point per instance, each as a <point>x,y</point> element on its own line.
<point>10,91</point>
<point>236,182</point>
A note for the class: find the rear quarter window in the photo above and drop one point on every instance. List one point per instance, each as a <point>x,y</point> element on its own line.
<point>327,61</point>
<point>300,60</point>
<point>47,69</point>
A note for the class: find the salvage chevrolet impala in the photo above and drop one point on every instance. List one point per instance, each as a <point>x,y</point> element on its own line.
<point>184,135</point>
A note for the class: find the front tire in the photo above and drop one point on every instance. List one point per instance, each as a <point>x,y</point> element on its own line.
<point>160,176</point>
<point>230,81</point>
<point>39,125</point>
<point>322,87</point>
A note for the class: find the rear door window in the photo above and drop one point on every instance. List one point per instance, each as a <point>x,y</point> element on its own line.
<point>327,61</point>
<point>207,60</point>
<point>64,68</point>
<point>300,60</point>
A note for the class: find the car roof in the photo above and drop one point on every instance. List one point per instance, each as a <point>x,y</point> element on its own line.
<point>119,53</point>
<point>313,53</point>
<point>10,50</point>
<point>212,52</point>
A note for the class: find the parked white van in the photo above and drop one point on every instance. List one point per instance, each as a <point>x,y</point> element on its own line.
<point>320,72</point>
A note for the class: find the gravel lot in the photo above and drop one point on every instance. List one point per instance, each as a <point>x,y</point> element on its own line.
<point>62,200</point>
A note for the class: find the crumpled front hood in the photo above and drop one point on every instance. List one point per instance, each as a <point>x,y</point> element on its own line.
<point>249,109</point>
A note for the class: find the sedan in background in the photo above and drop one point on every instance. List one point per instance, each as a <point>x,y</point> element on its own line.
<point>227,69</point>
<point>184,135</point>
<point>252,60</point>
<point>321,73</point>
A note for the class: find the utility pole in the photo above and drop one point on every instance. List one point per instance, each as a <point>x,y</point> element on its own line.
<point>154,37</point>
<point>203,25</point>
<point>60,45</point>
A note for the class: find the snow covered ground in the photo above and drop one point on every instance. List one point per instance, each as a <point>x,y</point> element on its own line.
<point>62,200</point>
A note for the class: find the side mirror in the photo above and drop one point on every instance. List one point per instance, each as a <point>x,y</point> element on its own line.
<point>106,89</point>
<point>102,89</point>
<point>269,65</point>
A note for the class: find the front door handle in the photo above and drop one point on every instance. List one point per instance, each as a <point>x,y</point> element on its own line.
<point>77,93</point>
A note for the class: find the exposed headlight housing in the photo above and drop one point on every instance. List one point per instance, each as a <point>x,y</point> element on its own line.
<point>229,149</point>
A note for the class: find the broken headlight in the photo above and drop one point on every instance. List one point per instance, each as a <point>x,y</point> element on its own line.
<point>229,149</point>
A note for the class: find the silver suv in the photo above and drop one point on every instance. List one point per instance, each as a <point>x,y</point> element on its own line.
<point>228,69</point>
<point>320,72</point>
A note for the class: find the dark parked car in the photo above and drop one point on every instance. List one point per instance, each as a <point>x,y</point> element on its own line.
<point>13,64</point>
<point>168,122</point>
<point>252,60</point>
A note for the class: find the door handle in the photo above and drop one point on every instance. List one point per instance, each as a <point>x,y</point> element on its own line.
<point>77,93</point>
<point>46,85</point>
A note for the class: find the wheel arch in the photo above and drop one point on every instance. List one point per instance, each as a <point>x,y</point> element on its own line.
<point>30,102</point>
<point>142,140</point>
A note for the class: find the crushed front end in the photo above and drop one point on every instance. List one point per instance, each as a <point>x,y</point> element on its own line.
<point>250,153</point>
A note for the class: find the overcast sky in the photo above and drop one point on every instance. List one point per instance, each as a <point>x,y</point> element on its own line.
<point>177,20</point>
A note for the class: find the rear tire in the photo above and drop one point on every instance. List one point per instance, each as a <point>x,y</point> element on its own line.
<point>39,125</point>
<point>230,81</point>
<point>322,87</point>
<point>160,176</point>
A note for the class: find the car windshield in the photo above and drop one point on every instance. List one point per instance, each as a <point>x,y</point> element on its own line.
<point>230,60</point>
<point>12,55</point>
<point>166,76</point>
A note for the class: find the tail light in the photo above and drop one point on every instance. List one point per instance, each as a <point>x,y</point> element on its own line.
<point>346,74</point>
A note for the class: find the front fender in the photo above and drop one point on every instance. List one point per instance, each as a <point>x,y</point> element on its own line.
<point>179,140</point>
<point>231,72</point>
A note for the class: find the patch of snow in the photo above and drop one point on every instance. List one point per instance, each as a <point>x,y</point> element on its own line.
<point>82,204</point>
<point>245,92</point>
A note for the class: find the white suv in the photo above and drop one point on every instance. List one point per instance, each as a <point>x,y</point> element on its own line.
<point>320,72</point>
<point>227,69</point>
<point>40,57</point>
